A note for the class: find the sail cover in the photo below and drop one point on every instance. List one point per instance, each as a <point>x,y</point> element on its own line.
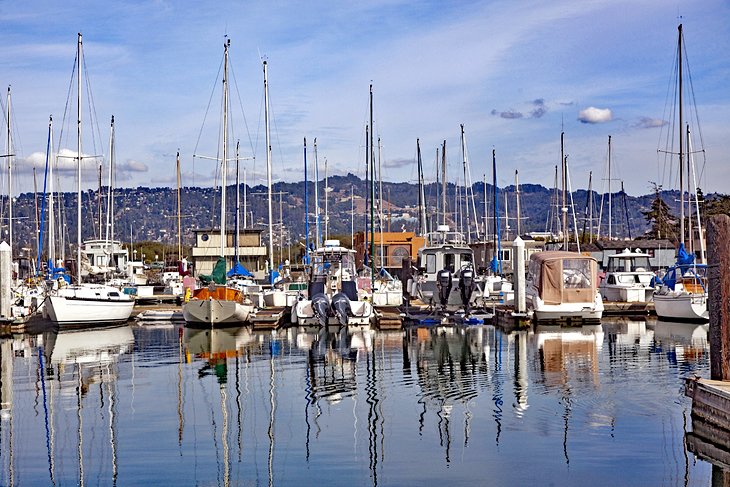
<point>239,270</point>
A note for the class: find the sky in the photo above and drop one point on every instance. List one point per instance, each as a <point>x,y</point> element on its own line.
<point>514,73</point>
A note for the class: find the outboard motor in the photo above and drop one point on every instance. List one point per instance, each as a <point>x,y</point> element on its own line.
<point>444,282</point>
<point>466,286</point>
<point>341,308</point>
<point>320,306</point>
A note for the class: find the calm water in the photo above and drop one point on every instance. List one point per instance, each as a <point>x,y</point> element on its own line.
<point>167,405</point>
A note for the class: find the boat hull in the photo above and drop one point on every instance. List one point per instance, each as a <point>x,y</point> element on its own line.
<point>214,311</point>
<point>682,306</point>
<point>62,309</point>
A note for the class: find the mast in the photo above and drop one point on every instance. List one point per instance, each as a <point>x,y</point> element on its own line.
<point>517,188</point>
<point>268,166</point>
<point>693,171</point>
<point>610,208</point>
<point>681,146</point>
<point>318,233</point>
<point>466,192</point>
<point>563,208</point>
<point>109,203</point>
<point>380,202</point>
<point>51,213</point>
<point>9,155</point>
<point>443,180</point>
<point>306,206</point>
<point>326,206</point>
<point>43,202</point>
<point>238,201</point>
<point>372,195</point>
<point>224,165</point>
<point>179,208</point>
<point>78,157</point>
<point>421,192</point>
<point>496,262</point>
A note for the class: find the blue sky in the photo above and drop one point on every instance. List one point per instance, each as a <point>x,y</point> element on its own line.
<point>513,72</point>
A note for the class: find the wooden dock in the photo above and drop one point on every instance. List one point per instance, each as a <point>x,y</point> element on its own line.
<point>270,318</point>
<point>637,308</point>
<point>710,412</point>
<point>388,317</point>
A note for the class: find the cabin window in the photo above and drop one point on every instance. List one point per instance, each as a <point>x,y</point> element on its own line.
<point>576,273</point>
<point>430,263</point>
<point>505,255</point>
<point>114,294</point>
<point>449,261</point>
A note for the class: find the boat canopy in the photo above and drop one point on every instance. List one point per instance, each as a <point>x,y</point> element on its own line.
<point>564,277</point>
<point>218,275</point>
<point>239,271</point>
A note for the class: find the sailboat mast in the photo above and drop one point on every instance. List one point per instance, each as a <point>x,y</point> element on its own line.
<point>78,157</point>
<point>497,258</point>
<point>610,209</point>
<point>318,233</point>
<point>444,186</point>
<point>564,208</point>
<point>109,189</point>
<point>238,200</point>
<point>326,208</point>
<point>9,152</point>
<point>306,206</point>
<point>179,208</point>
<point>517,188</point>
<point>681,129</point>
<point>466,192</point>
<point>372,194</point>
<point>421,192</point>
<point>268,166</point>
<point>224,163</point>
<point>51,215</point>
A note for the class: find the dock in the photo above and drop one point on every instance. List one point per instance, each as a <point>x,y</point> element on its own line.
<point>388,317</point>
<point>270,318</point>
<point>636,308</point>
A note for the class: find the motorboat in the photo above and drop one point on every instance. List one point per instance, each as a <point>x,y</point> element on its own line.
<point>333,297</point>
<point>628,278</point>
<point>446,275</point>
<point>562,286</point>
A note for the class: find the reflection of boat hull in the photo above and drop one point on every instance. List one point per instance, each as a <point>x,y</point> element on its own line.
<point>61,309</point>
<point>212,311</point>
<point>303,314</point>
<point>681,306</point>
<point>92,346</point>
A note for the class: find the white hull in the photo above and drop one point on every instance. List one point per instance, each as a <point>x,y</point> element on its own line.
<point>88,305</point>
<point>627,294</point>
<point>212,311</point>
<point>566,311</point>
<point>681,306</point>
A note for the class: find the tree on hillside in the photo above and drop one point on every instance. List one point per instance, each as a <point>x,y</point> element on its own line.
<point>717,205</point>
<point>662,223</point>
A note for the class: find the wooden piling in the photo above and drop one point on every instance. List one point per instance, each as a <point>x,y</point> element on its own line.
<point>718,257</point>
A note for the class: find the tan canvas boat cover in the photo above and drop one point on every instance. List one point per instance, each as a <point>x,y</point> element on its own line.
<point>564,277</point>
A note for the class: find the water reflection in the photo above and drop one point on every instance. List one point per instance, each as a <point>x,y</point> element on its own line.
<point>245,407</point>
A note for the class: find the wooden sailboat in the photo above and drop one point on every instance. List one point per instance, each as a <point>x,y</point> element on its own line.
<point>86,303</point>
<point>219,303</point>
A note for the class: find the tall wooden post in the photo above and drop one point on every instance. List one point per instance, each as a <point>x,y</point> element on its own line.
<point>718,236</point>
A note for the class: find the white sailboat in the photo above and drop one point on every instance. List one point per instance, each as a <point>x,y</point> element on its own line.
<point>85,303</point>
<point>683,291</point>
<point>219,303</point>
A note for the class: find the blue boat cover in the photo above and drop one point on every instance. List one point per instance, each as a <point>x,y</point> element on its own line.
<point>239,270</point>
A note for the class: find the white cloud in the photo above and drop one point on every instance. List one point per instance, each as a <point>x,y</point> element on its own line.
<point>595,115</point>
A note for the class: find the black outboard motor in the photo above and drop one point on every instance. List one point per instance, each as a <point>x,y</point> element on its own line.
<point>444,282</point>
<point>341,308</point>
<point>466,286</point>
<point>320,306</point>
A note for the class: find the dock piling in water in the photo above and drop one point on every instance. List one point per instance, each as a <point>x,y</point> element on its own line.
<point>718,236</point>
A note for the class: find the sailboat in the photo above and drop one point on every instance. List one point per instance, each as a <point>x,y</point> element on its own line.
<point>682,294</point>
<point>219,303</point>
<point>79,302</point>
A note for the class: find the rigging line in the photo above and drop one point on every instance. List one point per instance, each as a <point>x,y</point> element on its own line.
<point>205,117</point>
<point>240,102</point>
<point>93,118</point>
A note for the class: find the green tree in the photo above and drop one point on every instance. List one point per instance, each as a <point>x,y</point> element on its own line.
<point>663,223</point>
